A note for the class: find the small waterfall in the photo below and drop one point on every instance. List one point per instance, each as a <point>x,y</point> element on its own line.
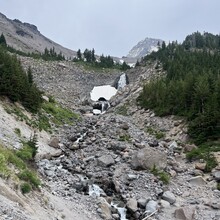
<point>122,82</point>
<point>121,210</point>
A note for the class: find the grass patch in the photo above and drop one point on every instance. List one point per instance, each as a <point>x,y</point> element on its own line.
<point>154,132</point>
<point>205,152</point>
<point>59,115</point>
<point>92,67</point>
<point>162,175</point>
<point>51,112</point>
<point>122,110</point>
<point>125,137</point>
<point>28,176</point>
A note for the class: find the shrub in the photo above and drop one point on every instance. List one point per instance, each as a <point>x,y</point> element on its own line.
<point>29,149</point>
<point>163,176</point>
<point>30,177</point>
<point>25,188</point>
<point>122,110</point>
<point>3,166</point>
<point>18,132</point>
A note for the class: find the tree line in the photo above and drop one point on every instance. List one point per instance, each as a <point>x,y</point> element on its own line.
<point>191,87</point>
<point>17,84</point>
<point>88,56</point>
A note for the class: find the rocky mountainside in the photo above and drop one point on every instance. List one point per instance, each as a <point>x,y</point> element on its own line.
<point>144,47</point>
<point>103,164</point>
<point>27,38</point>
<point>126,164</point>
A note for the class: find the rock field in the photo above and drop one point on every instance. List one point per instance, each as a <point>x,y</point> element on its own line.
<point>118,151</point>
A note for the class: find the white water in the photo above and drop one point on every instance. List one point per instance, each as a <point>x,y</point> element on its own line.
<point>121,210</point>
<point>80,138</point>
<point>105,91</point>
<point>95,190</point>
<point>122,81</point>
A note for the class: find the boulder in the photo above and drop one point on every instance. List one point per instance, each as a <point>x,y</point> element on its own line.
<point>200,166</point>
<point>106,160</point>
<point>132,205</point>
<point>217,175</point>
<point>54,142</point>
<point>164,204</point>
<point>198,181</point>
<point>105,209</point>
<point>147,158</point>
<point>169,197</point>
<point>185,213</point>
<point>142,202</point>
<point>189,147</point>
<point>151,206</point>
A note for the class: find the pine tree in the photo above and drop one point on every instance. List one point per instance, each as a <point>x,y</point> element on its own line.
<point>2,40</point>
<point>79,54</point>
<point>30,75</point>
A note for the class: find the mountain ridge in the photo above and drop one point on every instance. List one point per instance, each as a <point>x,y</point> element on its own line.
<point>27,38</point>
<point>144,47</point>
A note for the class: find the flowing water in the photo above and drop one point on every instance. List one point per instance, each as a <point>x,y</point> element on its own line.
<point>96,191</point>
<point>122,81</point>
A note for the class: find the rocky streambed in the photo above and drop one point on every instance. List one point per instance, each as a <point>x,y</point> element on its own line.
<point>117,156</point>
<point>121,152</point>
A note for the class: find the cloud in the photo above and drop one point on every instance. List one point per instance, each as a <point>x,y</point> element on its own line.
<point>115,26</point>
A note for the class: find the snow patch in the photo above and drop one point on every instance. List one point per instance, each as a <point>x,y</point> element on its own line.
<point>105,91</point>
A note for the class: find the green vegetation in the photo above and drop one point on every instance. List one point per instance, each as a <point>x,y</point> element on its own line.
<point>205,152</point>
<point>191,87</point>
<point>25,188</point>
<point>48,55</point>
<point>88,57</point>
<point>122,110</point>
<point>18,132</point>
<point>125,137</point>
<point>15,83</point>
<point>50,112</point>
<point>26,175</point>
<point>163,176</point>
<point>29,177</point>
<point>51,55</point>
<point>29,150</point>
<point>156,133</point>
<point>59,114</point>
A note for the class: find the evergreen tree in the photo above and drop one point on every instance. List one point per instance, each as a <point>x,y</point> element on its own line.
<point>79,54</point>
<point>2,40</point>
<point>191,87</point>
<point>30,75</point>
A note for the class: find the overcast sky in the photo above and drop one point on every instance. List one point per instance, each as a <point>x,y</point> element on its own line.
<point>113,27</point>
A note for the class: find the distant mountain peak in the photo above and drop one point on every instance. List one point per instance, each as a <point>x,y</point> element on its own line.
<point>144,47</point>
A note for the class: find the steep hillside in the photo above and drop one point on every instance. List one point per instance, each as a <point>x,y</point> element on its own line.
<point>27,38</point>
<point>126,164</point>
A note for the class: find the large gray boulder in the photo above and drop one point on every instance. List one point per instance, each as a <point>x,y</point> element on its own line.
<point>169,197</point>
<point>106,160</point>
<point>185,213</point>
<point>147,158</point>
<point>132,204</point>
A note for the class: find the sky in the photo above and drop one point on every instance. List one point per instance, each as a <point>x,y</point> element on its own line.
<point>113,27</point>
